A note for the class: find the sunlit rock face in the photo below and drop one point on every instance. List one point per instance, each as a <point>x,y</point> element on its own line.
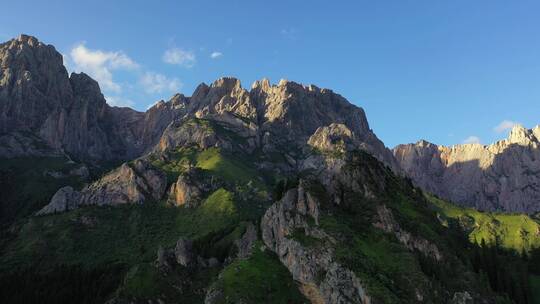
<point>70,115</point>
<point>131,183</point>
<point>501,176</point>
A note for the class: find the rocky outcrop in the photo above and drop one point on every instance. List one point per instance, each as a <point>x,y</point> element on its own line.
<point>503,176</point>
<point>183,252</point>
<point>63,200</point>
<point>189,133</point>
<point>246,242</point>
<point>131,183</point>
<point>322,278</point>
<point>386,222</point>
<point>185,192</point>
<point>333,138</point>
<point>462,298</point>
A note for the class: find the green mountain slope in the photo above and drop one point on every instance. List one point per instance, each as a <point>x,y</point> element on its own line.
<point>512,231</point>
<point>402,246</point>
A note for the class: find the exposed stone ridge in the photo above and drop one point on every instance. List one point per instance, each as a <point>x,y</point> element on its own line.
<point>71,115</point>
<point>131,183</point>
<point>501,176</point>
<point>338,284</point>
<point>386,222</point>
<point>286,113</point>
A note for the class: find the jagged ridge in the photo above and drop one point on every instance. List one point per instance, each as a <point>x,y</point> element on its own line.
<point>502,176</point>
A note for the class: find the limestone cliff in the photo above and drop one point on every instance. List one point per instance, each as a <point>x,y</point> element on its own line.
<point>502,176</point>
<point>39,101</point>
<point>69,113</point>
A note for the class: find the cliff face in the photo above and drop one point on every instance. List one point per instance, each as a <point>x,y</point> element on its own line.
<point>501,176</point>
<point>39,101</point>
<point>283,115</point>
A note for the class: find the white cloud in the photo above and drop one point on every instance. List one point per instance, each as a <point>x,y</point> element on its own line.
<point>119,101</point>
<point>505,125</point>
<point>216,55</point>
<point>179,57</point>
<point>100,64</point>
<point>158,83</point>
<point>472,140</point>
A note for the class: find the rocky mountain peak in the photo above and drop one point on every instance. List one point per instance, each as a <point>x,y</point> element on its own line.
<point>501,176</point>
<point>71,114</point>
<point>33,81</point>
<point>522,136</point>
<point>263,85</point>
<point>68,113</point>
<point>24,41</point>
<point>282,82</point>
<point>27,39</point>
<point>25,51</point>
<point>227,83</point>
<point>424,143</point>
<point>84,84</point>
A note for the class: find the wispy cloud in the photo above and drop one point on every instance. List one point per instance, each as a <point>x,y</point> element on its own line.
<point>135,80</point>
<point>505,125</point>
<point>100,64</point>
<point>159,83</point>
<point>216,55</point>
<point>118,101</point>
<point>472,140</point>
<point>179,57</point>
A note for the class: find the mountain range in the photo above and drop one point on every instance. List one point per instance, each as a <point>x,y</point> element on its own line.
<point>277,194</point>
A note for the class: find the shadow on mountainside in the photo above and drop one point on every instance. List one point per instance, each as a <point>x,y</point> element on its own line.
<point>511,183</point>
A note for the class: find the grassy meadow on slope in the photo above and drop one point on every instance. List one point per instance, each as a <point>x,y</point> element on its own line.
<point>122,234</point>
<point>261,278</point>
<point>512,231</point>
<point>515,234</point>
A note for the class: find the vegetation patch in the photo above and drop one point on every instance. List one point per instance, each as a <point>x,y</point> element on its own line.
<point>261,278</point>
<point>26,184</point>
<point>300,236</point>
<point>131,234</point>
<point>510,231</point>
<point>391,272</point>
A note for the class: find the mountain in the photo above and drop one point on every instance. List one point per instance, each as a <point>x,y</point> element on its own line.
<point>503,176</point>
<point>277,194</point>
<point>43,111</point>
<point>39,102</point>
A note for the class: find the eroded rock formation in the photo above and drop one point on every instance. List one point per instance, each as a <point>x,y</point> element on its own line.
<point>502,176</point>
<point>337,284</point>
<point>131,183</point>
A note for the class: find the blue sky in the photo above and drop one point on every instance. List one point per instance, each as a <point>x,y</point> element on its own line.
<point>445,71</point>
